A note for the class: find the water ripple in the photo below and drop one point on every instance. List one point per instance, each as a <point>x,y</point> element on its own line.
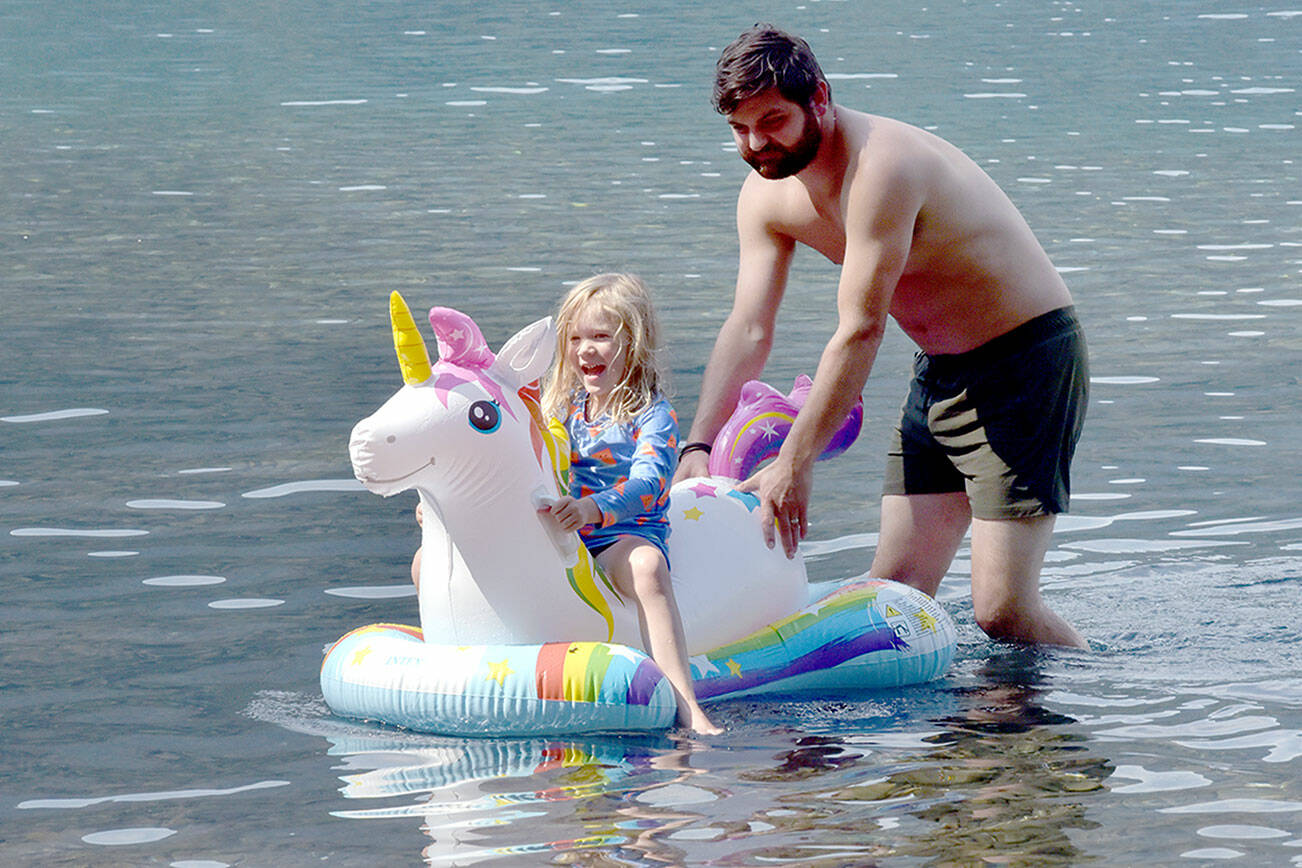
<point>305,486</point>
<point>158,796</point>
<point>1234,528</point>
<point>119,837</point>
<point>1136,546</point>
<point>245,603</point>
<point>55,415</point>
<point>175,504</point>
<point>1157,782</point>
<point>102,533</point>
<point>1284,746</point>
<point>1237,806</point>
<point>1194,728</point>
<point>379,592</point>
<point>183,581</point>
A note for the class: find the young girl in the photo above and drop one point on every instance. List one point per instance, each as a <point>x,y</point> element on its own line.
<point>605,386</point>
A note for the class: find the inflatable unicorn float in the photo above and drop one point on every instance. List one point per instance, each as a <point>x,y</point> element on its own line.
<point>520,631</point>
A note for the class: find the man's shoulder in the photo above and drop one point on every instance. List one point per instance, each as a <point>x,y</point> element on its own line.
<point>885,146</point>
<point>861,127</point>
<point>893,163</point>
<point>774,207</point>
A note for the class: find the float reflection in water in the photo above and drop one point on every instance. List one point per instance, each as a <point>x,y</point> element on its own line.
<point>521,633</point>
<point>486,798</point>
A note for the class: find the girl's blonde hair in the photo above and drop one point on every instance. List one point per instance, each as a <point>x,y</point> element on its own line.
<point>625,298</point>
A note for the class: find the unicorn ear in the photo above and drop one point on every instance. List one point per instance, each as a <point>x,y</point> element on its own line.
<point>525,356</point>
<point>754,391</point>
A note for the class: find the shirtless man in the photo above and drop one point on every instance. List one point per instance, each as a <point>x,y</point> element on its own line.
<point>925,236</point>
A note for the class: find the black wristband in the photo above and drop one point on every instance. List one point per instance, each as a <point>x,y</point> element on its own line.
<point>694,446</point>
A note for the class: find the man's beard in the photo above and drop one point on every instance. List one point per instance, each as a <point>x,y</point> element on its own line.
<point>775,162</point>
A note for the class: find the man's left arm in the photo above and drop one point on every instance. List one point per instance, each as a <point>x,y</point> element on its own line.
<point>879,231</point>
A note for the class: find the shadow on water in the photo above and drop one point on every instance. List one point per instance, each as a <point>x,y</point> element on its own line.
<point>963,773</point>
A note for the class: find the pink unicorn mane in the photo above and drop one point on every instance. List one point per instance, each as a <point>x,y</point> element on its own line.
<point>464,356</point>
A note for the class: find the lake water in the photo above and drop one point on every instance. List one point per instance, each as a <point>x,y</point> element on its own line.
<point>204,209</point>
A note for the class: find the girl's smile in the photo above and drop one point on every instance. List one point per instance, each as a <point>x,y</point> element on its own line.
<point>597,354</point>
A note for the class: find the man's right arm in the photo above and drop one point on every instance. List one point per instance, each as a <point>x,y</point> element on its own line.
<point>744,340</point>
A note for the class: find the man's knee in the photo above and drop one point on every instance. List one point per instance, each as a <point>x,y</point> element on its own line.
<point>1000,616</point>
<point>925,578</point>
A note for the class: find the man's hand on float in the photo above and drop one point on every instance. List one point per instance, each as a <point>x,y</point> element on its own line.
<point>784,501</point>
<point>692,465</point>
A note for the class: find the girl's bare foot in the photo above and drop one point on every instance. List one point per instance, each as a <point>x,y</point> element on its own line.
<point>698,722</point>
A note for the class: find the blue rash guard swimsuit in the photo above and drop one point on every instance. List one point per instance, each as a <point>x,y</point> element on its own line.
<point>627,468</point>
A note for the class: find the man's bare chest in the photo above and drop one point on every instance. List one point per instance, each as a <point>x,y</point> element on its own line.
<point>824,233</point>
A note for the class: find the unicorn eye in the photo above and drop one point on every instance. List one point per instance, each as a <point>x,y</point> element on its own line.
<point>485,416</point>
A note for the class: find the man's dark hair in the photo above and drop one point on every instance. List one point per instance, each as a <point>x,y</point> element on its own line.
<point>761,58</point>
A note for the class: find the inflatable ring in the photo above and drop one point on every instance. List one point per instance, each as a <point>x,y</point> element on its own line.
<point>867,634</point>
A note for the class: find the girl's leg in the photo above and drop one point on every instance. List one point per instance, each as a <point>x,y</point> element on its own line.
<point>639,570</point>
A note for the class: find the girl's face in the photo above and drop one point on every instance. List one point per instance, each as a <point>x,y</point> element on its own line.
<point>597,353</point>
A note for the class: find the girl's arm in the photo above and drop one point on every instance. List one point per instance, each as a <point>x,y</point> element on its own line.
<point>655,457</point>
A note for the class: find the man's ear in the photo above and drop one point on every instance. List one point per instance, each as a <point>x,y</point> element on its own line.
<point>821,99</point>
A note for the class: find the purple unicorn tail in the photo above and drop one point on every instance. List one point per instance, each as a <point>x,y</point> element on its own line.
<point>763,418</point>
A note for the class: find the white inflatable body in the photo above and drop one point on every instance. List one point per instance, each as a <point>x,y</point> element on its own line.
<point>468,435</point>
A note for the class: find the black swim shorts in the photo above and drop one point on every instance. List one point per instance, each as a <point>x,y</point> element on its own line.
<point>999,422</point>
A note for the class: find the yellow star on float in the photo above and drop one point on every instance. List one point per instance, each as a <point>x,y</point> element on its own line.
<point>734,667</point>
<point>925,620</point>
<point>359,656</point>
<point>498,671</point>
<point>692,514</point>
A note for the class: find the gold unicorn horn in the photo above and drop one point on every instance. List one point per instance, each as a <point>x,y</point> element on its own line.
<point>413,358</point>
